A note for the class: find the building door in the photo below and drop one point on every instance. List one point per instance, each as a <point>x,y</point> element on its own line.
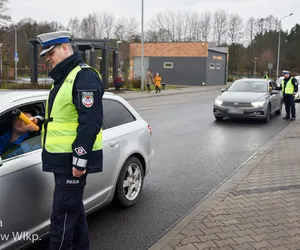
<point>137,66</point>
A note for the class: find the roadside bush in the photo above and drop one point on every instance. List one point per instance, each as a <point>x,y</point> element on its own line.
<point>135,83</point>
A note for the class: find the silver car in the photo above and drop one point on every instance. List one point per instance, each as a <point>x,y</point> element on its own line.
<point>26,192</point>
<point>249,98</point>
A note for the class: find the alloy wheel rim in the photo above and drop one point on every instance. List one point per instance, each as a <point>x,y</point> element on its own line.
<point>132,182</point>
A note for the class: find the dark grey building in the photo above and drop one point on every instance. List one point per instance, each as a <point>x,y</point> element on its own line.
<point>208,68</point>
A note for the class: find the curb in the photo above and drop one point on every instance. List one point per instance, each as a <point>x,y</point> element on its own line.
<point>222,190</point>
<point>168,94</point>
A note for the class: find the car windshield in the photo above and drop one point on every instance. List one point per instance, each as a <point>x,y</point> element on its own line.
<point>249,86</point>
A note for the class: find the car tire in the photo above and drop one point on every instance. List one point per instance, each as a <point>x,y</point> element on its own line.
<point>219,118</point>
<point>268,115</point>
<point>132,175</point>
<point>279,111</point>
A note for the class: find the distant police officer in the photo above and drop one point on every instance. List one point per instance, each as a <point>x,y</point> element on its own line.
<point>289,87</point>
<point>71,137</point>
<point>266,76</point>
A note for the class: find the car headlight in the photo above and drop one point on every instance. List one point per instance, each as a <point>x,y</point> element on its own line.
<point>218,102</point>
<point>258,104</point>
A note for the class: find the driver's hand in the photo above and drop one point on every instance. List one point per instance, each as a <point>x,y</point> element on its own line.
<point>30,127</point>
<point>34,120</point>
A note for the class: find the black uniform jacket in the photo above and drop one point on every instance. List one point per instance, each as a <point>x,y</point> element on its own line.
<point>89,118</point>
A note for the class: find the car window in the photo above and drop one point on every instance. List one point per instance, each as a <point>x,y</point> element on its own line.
<point>13,127</point>
<point>29,145</point>
<point>115,114</point>
<point>273,84</point>
<point>249,86</point>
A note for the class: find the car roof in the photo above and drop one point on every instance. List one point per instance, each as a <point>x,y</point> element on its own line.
<point>8,97</point>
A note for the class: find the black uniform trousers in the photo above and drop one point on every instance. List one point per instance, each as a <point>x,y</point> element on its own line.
<point>289,102</point>
<point>68,228</point>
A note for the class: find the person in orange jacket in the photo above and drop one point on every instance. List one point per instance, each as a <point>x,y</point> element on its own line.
<point>157,81</point>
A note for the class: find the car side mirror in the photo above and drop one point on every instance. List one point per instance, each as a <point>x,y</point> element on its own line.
<point>223,90</point>
<point>1,161</point>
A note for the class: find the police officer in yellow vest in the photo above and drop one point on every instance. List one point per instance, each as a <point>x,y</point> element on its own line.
<point>289,87</point>
<point>71,137</point>
<point>266,76</point>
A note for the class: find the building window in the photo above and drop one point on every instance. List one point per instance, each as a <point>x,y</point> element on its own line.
<point>212,66</point>
<point>218,66</point>
<point>168,65</point>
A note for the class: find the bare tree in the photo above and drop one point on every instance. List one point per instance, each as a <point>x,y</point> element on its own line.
<point>176,26</point>
<point>4,16</point>
<point>151,36</point>
<point>125,28</point>
<point>160,25</point>
<point>88,27</point>
<point>186,25</point>
<point>55,26</point>
<point>172,29</point>
<point>194,32</point>
<point>251,29</point>
<point>260,26</point>
<point>220,26</point>
<point>270,23</point>
<point>74,25</point>
<point>205,25</point>
<point>235,27</point>
<point>108,21</point>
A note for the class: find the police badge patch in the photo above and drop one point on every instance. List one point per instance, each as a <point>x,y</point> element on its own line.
<point>80,151</point>
<point>87,99</point>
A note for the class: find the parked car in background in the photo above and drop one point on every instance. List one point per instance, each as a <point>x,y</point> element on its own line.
<point>27,192</point>
<point>297,96</point>
<point>249,98</point>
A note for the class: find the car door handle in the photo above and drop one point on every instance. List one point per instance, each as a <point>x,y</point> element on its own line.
<point>114,144</point>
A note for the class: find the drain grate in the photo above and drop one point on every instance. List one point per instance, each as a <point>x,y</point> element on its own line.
<point>265,190</point>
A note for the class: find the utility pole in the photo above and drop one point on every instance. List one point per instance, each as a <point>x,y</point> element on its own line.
<point>16,54</point>
<point>142,57</point>
<point>278,52</point>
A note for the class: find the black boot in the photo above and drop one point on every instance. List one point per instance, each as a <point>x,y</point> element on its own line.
<point>293,118</point>
<point>286,118</point>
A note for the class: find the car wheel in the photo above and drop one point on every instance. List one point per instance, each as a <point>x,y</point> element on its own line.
<point>219,118</point>
<point>268,115</point>
<point>279,111</point>
<point>130,183</point>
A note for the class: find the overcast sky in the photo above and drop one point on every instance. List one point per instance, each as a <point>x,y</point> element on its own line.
<point>62,10</point>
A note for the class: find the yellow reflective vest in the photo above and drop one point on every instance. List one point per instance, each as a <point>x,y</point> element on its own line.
<point>289,88</point>
<point>62,126</point>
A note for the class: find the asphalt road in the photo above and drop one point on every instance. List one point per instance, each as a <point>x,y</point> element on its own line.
<point>194,154</point>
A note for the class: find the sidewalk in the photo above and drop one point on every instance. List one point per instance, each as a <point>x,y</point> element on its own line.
<point>258,207</point>
<point>131,95</point>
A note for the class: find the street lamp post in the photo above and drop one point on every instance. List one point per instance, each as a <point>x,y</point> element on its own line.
<point>142,56</point>
<point>278,52</point>
<point>254,73</point>
<point>118,42</point>
<point>1,67</point>
<point>16,54</point>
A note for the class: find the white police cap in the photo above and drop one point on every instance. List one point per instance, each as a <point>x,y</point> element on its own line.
<point>52,39</point>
